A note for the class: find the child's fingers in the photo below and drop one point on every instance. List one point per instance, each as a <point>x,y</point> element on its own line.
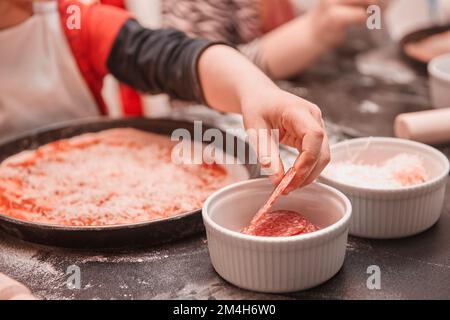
<point>269,155</point>
<point>309,157</point>
<point>350,15</point>
<point>321,164</point>
<point>264,142</point>
<point>362,3</point>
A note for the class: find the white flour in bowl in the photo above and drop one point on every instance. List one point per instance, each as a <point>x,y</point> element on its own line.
<point>402,170</point>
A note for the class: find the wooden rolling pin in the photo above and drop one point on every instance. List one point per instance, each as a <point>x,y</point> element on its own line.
<point>431,127</point>
<point>10,289</point>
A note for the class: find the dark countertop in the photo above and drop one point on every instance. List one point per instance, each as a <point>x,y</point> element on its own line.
<point>354,104</point>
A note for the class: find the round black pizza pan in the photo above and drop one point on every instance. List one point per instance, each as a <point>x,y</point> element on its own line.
<point>417,36</point>
<point>131,235</point>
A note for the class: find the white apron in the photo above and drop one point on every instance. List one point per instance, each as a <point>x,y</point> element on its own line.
<point>40,83</point>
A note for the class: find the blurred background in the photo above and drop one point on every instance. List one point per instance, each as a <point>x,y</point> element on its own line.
<point>354,74</point>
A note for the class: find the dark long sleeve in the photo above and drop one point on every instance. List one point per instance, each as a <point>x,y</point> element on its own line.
<point>157,61</point>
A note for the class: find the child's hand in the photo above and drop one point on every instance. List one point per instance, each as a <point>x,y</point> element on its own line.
<point>232,84</point>
<point>295,45</point>
<point>330,19</point>
<point>300,126</point>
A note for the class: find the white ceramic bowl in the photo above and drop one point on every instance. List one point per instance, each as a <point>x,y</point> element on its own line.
<point>276,264</point>
<point>439,70</point>
<point>395,212</point>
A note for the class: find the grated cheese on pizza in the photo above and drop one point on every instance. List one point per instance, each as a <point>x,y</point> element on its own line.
<point>113,177</point>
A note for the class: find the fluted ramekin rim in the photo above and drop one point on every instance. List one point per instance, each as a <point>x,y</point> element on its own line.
<point>427,185</point>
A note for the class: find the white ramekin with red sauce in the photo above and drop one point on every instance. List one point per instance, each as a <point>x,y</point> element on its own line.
<point>276,264</point>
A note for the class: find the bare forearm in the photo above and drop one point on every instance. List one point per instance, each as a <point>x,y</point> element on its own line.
<point>226,77</point>
<point>290,48</point>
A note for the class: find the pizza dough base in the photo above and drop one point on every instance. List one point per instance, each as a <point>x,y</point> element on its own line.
<point>113,177</point>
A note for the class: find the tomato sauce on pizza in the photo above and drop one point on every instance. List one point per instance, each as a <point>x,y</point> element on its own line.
<point>117,176</point>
